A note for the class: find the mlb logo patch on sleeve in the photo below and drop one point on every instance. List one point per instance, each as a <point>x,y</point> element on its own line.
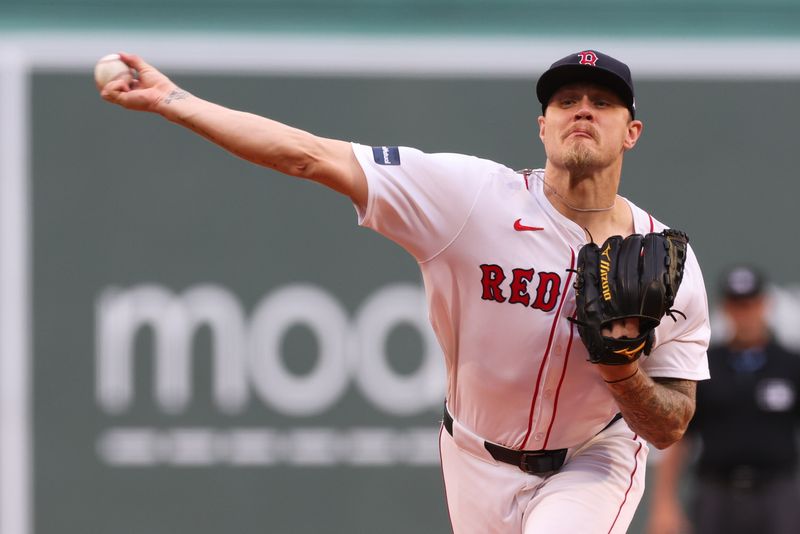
<point>386,155</point>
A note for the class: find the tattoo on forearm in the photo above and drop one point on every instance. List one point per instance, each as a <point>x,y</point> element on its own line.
<point>659,409</point>
<point>176,94</point>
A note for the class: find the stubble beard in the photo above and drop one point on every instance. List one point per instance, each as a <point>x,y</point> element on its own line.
<point>580,160</point>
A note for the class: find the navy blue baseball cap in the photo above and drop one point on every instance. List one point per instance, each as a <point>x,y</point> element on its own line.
<point>742,282</point>
<point>588,66</point>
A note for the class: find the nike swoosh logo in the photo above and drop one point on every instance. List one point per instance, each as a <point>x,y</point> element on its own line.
<point>519,227</point>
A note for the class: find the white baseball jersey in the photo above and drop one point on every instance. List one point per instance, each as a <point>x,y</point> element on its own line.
<point>496,259</point>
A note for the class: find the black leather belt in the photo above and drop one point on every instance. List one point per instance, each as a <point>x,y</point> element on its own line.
<point>533,462</point>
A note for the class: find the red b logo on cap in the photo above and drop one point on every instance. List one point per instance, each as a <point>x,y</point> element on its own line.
<point>588,58</point>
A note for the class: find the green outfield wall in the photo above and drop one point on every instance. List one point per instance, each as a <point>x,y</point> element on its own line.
<point>200,345</point>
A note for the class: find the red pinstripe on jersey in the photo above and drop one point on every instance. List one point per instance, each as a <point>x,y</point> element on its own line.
<point>546,355</point>
<point>561,381</point>
<point>630,483</point>
<point>444,480</point>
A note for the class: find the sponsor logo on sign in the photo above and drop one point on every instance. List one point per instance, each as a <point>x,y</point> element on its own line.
<point>247,363</point>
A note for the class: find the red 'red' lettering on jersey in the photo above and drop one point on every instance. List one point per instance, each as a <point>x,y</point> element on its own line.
<point>519,286</point>
<point>588,58</point>
<point>493,276</point>
<point>547,291</point>
<point>548,288</point>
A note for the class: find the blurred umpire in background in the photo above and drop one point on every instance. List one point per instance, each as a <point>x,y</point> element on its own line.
<point>745,424</point>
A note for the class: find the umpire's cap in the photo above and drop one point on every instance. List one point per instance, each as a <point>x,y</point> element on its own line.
<point>742,282</point>
<point>588,66</point>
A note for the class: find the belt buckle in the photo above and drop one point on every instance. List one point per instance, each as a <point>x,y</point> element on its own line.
<point>532,469</point>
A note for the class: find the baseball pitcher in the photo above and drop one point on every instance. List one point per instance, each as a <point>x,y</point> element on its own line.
<point>574,324</point>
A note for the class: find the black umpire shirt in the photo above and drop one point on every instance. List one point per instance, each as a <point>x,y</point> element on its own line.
<point>747,414</point>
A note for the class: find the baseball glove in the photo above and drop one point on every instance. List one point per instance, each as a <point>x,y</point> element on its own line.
<point>636,277</point>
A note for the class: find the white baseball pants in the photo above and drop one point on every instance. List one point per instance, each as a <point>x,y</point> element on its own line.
<point>595,492</point>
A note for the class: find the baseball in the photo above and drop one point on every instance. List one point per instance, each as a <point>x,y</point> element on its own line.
<point>109,68</point>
